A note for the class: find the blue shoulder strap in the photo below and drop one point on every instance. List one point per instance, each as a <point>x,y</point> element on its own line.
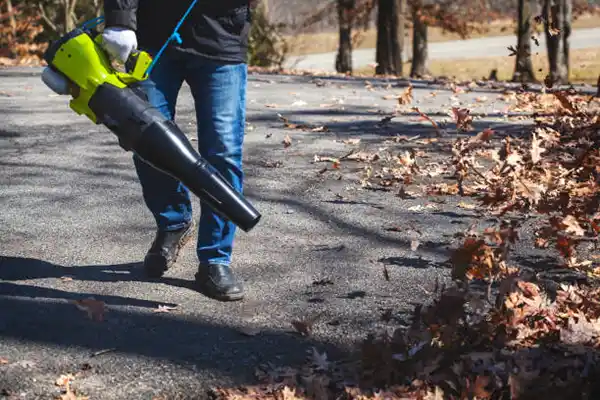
<point>174,36</point>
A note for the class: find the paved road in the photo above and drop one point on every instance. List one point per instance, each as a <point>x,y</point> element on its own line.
<point>73,225</point>
<point>471,48</point>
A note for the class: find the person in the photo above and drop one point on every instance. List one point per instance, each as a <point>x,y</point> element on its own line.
<point>212,60</point>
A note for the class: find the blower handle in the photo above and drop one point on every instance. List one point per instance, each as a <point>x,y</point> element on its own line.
<point>174,36</point>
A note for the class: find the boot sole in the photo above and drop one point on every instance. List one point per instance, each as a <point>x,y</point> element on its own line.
<point>209,291</point>
<point>223,297</point>
<point>156,265</point>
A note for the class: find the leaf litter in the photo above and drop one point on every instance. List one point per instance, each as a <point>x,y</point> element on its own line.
<point>524,335</point>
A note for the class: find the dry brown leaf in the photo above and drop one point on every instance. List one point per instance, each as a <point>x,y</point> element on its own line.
<point>462,118</point>
<point>94,308</point>
<point>427,118</point>
<point>571,225</point>
<point>407,96</point>
<point>427,141</point>
<point>287,141</point>
<point>467,206</point>
<point>483,136</point>
<point>64,380</point>
<point>479,388</point>
<point>536,149</point>
<point>363,156</point>
<point>352,141</point>
<point>304,327</point>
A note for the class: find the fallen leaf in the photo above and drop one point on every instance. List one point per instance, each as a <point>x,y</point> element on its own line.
<point>467,206</point>
<point>319,360</point>
<point>414,245</point>
<point>164,309</point>
<point>287,141</point>
<point>305,326</point>
<point>353,141</point>
<point>572,226</point>
<point>463,118</point>
<point>94,308</point>
<point>536,149</point>
<point>484,135</point>
<point>427,118</point>
<point>407,96</point>
<point>302,327</point>
<point>64,380</point>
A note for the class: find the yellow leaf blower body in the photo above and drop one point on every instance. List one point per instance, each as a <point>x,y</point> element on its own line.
<point>79,66</point>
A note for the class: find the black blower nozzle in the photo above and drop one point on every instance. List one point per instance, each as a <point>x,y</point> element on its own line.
<point>158,141</point>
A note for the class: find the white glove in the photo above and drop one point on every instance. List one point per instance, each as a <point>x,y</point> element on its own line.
<point>119,42</point>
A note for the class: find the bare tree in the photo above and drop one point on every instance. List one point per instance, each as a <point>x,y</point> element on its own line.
<point>523,65</point>
<point>390,18</point>
<point>420,57</point>
<point>554,13</point>
<point>61,16</point>
<point>343,61</point>
<point>567,28</point>
<point>11,18</point>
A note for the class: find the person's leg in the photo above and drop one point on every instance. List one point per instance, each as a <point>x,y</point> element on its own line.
<point>219,91</point>
<point>167,199</point>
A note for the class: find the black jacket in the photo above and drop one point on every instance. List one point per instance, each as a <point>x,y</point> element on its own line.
<point>217,29</point>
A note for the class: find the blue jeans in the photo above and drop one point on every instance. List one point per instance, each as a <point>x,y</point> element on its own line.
<point>219,93</point>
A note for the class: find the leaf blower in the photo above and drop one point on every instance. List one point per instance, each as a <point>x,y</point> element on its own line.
<point>79,66</point>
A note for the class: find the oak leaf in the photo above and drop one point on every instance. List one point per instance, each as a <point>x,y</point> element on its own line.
<point>94,308</point>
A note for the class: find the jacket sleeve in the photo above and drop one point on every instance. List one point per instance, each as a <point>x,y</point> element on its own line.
<point>121,13</point>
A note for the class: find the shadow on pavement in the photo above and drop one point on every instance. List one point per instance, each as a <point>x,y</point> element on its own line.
<point>21,268</point>
<point>440,84</point>
<point>160,336</point>
<point>46,316</point>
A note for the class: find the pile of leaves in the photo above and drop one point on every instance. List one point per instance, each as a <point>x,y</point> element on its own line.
<point>500,330</point>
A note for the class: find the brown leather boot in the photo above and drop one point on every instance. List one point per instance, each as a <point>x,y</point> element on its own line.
<point>165,249</point>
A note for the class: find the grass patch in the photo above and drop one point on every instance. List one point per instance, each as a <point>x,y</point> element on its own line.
<point>325,42</point>
<point>585,67</point>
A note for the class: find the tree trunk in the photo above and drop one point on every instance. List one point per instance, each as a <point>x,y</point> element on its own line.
<point>389,40</point>
<point>12,20</point>
<point>343,61</point>
<point>523,65</point>
<point>419,66</point>
<point>568,19</point>
<point>554,17</point>
<point>402,7</point>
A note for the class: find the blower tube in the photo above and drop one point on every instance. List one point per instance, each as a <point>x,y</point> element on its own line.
<point>144,130</point>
